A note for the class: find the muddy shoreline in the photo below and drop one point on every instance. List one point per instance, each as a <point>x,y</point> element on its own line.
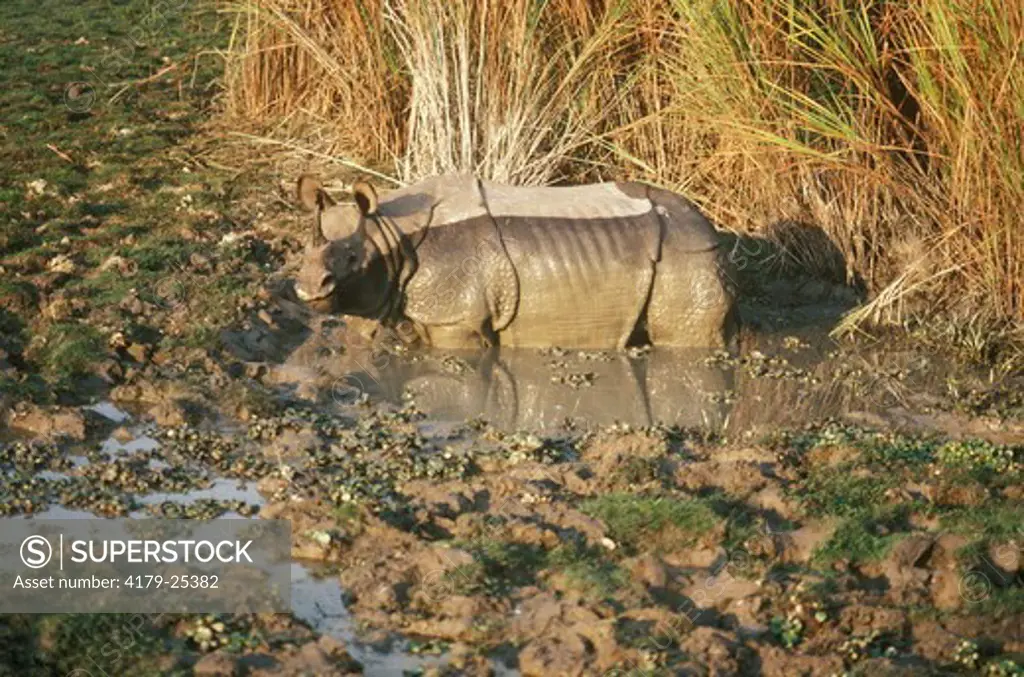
<point>724,542</point>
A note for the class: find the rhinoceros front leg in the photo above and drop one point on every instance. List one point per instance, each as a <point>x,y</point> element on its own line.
<point>471,331</point>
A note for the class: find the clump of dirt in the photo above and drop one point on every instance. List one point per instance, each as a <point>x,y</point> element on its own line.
<point>587,564</point>
<point>620,548</point>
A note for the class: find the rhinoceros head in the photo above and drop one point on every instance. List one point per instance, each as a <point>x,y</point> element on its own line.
<point>338,248</point>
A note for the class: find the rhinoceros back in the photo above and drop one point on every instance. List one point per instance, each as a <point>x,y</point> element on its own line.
<point>584,257</point>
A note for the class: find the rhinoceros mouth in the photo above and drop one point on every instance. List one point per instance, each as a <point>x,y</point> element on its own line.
<point>322,294</point>
<point>306,296</point>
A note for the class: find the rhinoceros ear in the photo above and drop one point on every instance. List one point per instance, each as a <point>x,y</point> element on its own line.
<point>311,193</point>
<point>365,197</point>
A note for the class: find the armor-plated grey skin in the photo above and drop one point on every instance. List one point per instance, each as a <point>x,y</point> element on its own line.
<point>458,263</point>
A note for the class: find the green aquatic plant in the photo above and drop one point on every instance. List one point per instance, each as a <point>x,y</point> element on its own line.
<point>980,455</point>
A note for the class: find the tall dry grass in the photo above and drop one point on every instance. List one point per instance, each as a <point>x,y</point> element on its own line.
<point>897,127</point>
<point>320,69</point>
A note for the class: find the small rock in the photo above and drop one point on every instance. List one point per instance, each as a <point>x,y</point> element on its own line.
<point>162,357</point>
<point>49,422</point>
<point>169,413</point>
<point>920,520</point>
<point>271,485</point>
<point>313,658</point>
<point>109,370</point>
<point>199,262</point>
<point>133,305</point>
<point>266,318</point>
<point>139,352</point>
<point>338,653</point>
<point>123,435</point>
<point>1005,560</point>
<point>125,267</point>
<point>216,664</point>
<point>255,370</point>
<point>59,309</point>
<point>190,234</point>
<point>61,263</point>
<point>36,188</point>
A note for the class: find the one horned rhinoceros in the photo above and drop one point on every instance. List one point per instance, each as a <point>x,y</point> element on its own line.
<point>458,262</point>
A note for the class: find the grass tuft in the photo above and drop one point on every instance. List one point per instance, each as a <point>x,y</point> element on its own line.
<point>634,520</point>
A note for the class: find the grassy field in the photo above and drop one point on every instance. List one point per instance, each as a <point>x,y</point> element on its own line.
<point>107,192</point>
<point>895,127</point>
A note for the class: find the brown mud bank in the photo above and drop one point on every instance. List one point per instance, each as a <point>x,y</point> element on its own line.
<point>644,552</point>
<point>625,550</point>
<point>804,507</point>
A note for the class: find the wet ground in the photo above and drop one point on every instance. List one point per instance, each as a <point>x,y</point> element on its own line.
<point>317,596</point>
<point>779,511</point>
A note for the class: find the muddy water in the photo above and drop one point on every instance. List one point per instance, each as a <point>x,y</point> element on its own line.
<point>783,377</point>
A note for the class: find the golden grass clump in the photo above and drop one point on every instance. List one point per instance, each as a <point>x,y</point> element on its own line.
<point>318,67</point>
<point>896,127</point>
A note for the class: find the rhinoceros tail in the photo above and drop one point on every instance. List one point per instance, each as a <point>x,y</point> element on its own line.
<point>687,230</point>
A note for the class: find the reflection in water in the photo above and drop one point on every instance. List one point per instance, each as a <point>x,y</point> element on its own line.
<point>110,412</point>
<point>778,381</point>
<point>538,390</point>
